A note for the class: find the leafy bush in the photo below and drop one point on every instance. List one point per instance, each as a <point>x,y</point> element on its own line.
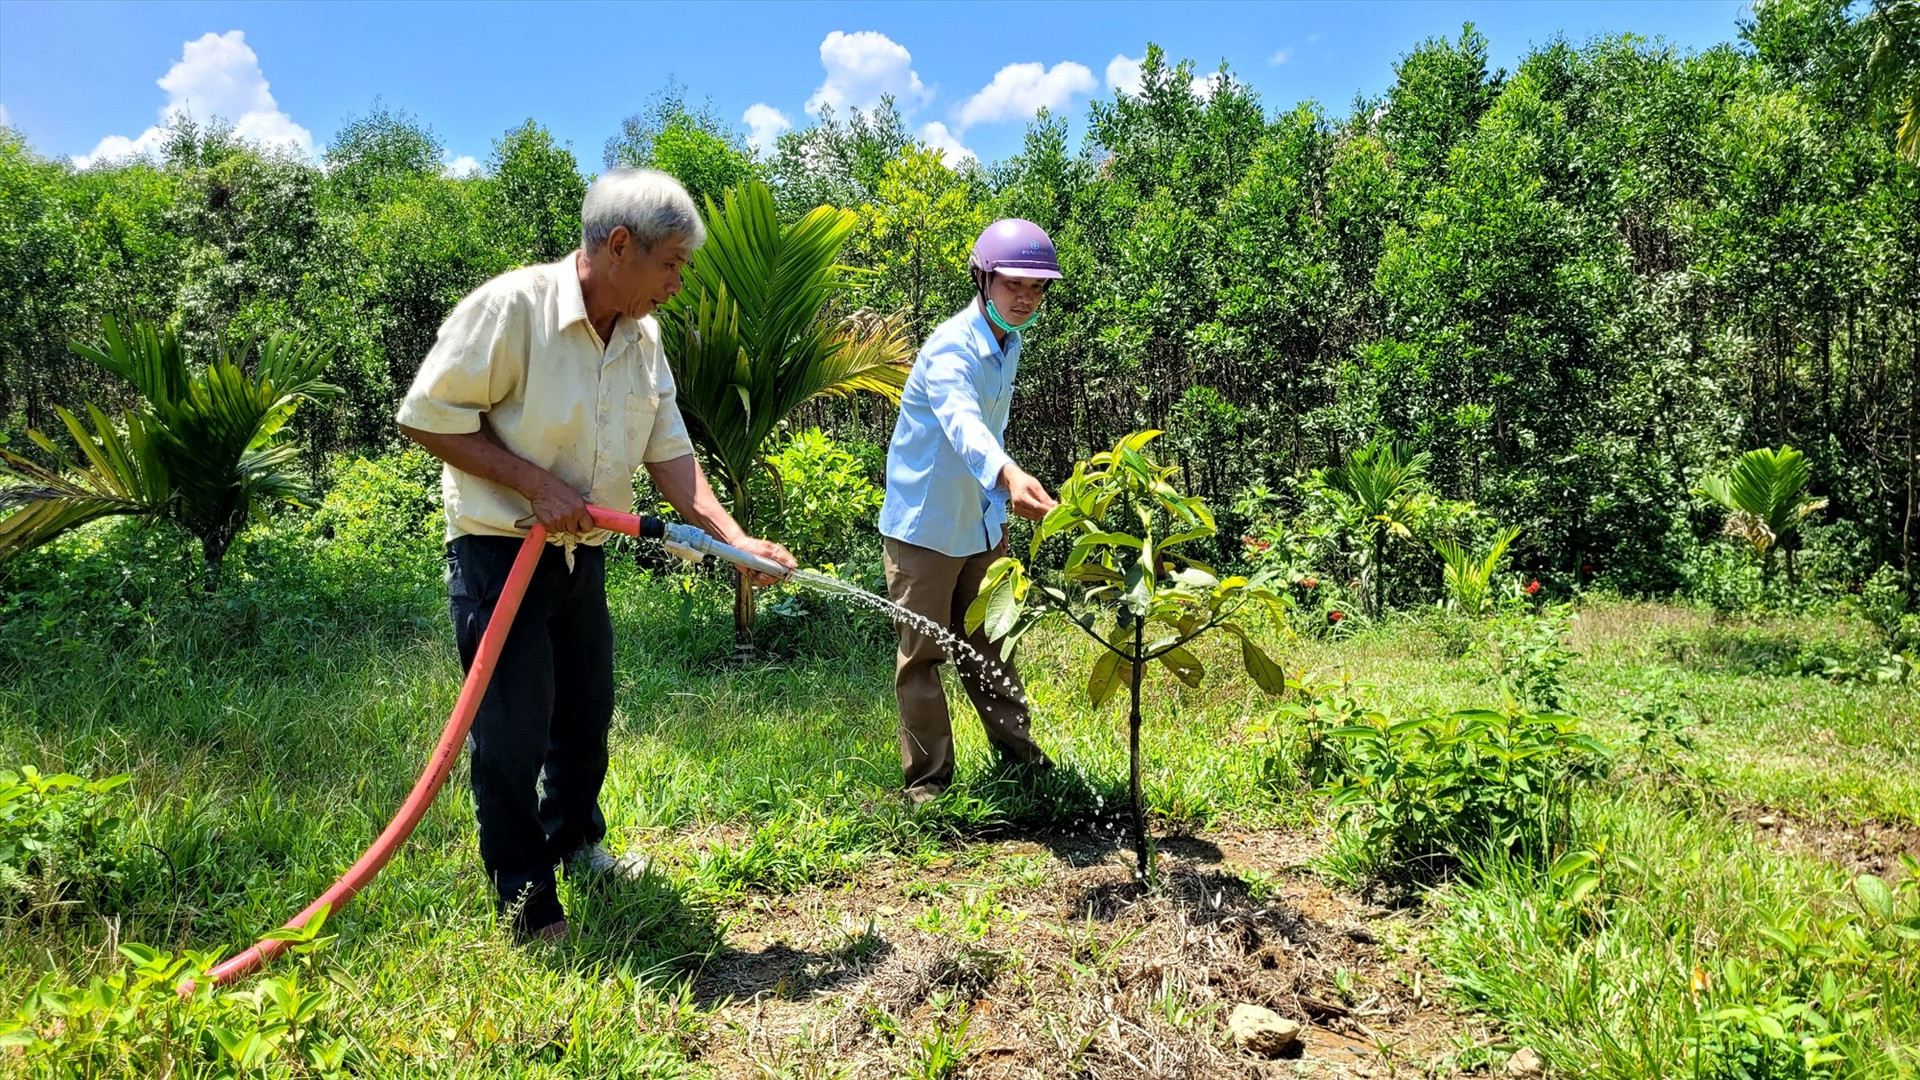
<point>378,532</point>
<point>1527,650</point>
<point>57,837</point>
<point>828,501</point>
<point>135,1023</point>
<point>1433,791</point>
<point>1883,603</point>
<point>1785,1013</point>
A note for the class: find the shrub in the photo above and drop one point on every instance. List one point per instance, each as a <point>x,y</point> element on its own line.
<point>377,534</point>
<point>828,504</point>
<point>1527,651</point>
<point>136,1023</point>
<point>1431,792</point>
<point>57,837</point>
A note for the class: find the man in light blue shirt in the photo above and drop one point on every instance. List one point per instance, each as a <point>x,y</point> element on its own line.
<point>950,486</point>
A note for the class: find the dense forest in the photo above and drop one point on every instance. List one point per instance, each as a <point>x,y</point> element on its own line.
<point>1580,288</point>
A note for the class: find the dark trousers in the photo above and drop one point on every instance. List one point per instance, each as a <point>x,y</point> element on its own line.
<point>539,742</point>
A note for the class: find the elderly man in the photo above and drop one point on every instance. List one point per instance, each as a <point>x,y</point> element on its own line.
<point>546,390</point>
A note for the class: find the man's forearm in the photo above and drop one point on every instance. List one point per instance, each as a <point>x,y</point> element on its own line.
<point>478,454</point>
<point>683,485</point>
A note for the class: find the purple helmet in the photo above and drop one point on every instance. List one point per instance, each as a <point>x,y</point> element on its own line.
<point>1017,248</point>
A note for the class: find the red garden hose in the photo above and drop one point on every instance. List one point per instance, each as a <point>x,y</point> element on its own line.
<point>444,755</point>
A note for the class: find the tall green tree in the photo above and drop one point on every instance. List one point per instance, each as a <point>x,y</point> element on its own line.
<point>915,236</point>
<point>537,189</point>
<point>693,144</point>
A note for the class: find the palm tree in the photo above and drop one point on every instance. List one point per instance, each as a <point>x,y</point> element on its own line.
<point>1766,492</point>
<point>750,339</point>
<point>202,449</point>
<point>1379,483</point>
<point>1469,579</point>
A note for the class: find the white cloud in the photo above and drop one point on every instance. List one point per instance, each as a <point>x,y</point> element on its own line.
<point>938,136</point>
<point>1123,74</point>
<point>863,67</point>
<point>764,123</point>
<point>217,75</point>
<point>461,167</point>
<point>1280,56</point>
<point>1020,90</point>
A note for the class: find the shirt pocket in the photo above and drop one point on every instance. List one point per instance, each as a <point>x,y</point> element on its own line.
<point>643,407</point>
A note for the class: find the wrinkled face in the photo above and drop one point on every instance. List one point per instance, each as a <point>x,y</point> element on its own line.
<point>642,280</point>
<point>1016,298</point>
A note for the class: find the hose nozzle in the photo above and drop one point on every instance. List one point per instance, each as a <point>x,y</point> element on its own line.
<point>690,543</point>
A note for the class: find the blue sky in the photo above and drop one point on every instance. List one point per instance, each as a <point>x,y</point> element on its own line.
<point>80,79</point>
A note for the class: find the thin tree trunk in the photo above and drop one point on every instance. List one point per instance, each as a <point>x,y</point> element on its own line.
<point>1913,449</point>
<point>1133,755</point>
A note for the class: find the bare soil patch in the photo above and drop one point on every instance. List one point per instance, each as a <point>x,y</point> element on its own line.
<point>1040,956</point>
<point>1871,847</point>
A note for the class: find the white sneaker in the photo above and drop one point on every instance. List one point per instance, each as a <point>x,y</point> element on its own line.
<point>595,860</point>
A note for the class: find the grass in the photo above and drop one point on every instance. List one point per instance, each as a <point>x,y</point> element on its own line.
<point>271,729</point>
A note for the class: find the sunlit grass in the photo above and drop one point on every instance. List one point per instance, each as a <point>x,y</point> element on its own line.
<point>272,730</point>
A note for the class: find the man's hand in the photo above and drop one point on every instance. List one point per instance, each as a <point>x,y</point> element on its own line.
<point>560,508</point>
<point>1029,496</point>
<point>766,549</point>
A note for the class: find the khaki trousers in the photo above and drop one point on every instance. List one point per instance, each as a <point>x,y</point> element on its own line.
<point>940,588</point>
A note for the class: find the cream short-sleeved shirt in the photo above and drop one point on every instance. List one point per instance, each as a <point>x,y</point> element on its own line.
<point>519,353</point>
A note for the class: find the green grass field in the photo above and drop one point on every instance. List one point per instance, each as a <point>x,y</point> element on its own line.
<point>798,920</point>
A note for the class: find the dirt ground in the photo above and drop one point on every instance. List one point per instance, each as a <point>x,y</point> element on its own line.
<point>1041,956</point>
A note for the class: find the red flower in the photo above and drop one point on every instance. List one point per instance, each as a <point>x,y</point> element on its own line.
<point>1533,587</point>
<point>1308,583</point>
<point>1336,616</point>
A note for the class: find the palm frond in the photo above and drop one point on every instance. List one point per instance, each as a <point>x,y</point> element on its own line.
<point>746,339</point>
<point>120,475</point>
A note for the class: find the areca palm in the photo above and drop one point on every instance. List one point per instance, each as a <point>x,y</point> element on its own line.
<point>1766,492</point>
<point>1379,483</point>
<point>203,449</point>
<point>1469,578</point>
<point>750,338</point>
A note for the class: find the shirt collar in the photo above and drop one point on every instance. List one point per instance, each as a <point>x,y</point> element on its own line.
<point>573,306</point>
<point>983,333</point>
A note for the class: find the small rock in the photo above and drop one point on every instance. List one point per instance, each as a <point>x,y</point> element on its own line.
<point>1766,821</point>
<point>1526,1065</point>
<point>1262,1031</point>
<point>1362,935</point>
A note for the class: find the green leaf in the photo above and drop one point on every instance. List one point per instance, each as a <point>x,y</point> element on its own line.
<point>1185,666</point>
<point>1581,886</point>
<point>1138,596</point>
<point>1003,611</point>
<point>1109,673</point>
<point>1875,897</point>
<point>1265,674</point>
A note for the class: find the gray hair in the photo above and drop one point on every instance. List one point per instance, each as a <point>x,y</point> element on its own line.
<point>652,205</point>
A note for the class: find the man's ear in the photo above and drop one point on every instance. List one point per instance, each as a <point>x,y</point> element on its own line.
<point>618,241</point>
